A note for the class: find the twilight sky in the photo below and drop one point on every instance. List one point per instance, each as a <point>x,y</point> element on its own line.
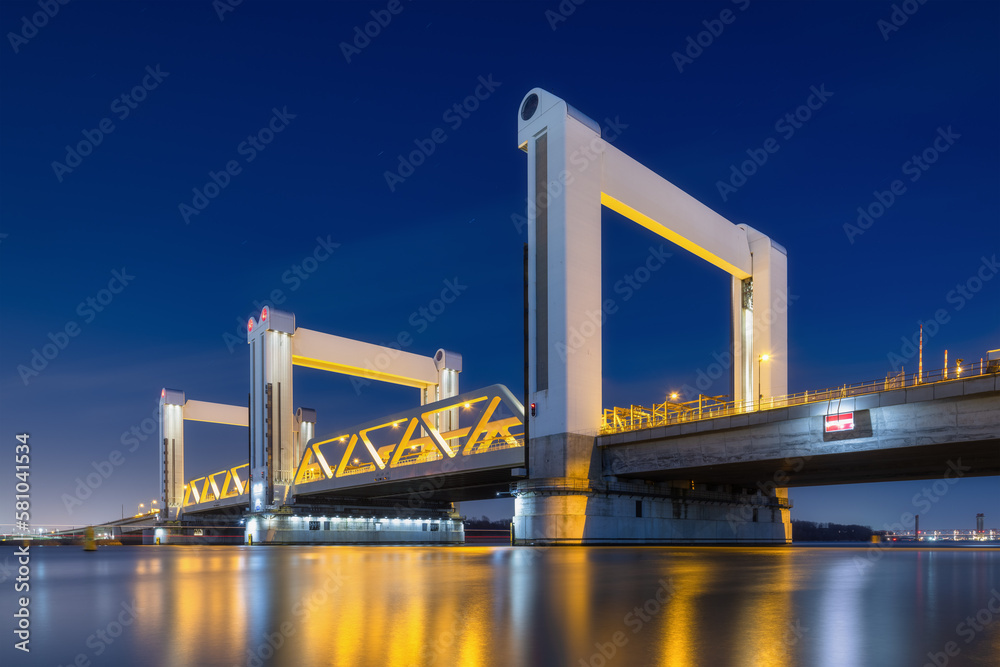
<point>168,167</point>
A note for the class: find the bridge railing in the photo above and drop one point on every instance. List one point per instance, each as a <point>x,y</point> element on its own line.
<point>636,417</point>
<point>313,473</point>
<point>493,420</point>
<point>229,483</point>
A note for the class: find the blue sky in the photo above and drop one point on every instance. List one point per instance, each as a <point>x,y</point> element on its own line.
<point>161,96</point>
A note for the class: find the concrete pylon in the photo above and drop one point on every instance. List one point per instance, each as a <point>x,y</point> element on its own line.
<point>572,172</point>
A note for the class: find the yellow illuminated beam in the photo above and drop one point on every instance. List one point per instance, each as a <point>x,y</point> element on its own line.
<point>358,371</point>
<point>403,443</point>
<point>428,420</point>
<point>306,466</point>
<point>660,229</point>
<point>645,197</point>
<point>481,427</point>
<point>471,440</point>
<point>216,413</point>
<point>322,351</point>
<point>241,486</point>
<point>346,458</point>
<point>215,487</point>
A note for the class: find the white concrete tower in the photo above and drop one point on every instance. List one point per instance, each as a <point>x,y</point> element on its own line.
<point>448,365</point>
<point>564,276</point>
<point>572,172</point>
<point>305,420</point>
<point>171,452</point>
<point>272,423</point>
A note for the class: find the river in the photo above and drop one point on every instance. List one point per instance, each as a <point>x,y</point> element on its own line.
<point>499,605</point>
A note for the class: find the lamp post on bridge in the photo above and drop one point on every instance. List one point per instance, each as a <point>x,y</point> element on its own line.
<point>760,395</point>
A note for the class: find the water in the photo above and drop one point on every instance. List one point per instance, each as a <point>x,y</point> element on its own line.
<point>508,606</point>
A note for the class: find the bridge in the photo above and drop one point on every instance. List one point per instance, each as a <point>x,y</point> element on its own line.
<point>709,471</point>
<point>872,432</point>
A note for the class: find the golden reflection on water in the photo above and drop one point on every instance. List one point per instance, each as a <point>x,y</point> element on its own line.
<point>766,611</point>
<point>474,606</point>
<point>688,581</point>
<point>189,598</point>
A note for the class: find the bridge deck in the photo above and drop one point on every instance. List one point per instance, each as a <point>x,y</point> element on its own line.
<point>912,433</point>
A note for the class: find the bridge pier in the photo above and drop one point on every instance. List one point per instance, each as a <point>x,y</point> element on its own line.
<point>354,525</point>
<point>563,511</point>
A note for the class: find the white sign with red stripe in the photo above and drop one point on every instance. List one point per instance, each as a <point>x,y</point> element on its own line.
<point>842,422</point>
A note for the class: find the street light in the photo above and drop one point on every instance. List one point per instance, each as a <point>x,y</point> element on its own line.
<point>673,396</point>
<point>141,505</point>
<point>760,395</point>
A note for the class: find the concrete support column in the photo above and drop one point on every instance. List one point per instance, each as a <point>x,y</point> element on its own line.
<point>172,451</point>
<point>564,303</point>
<point>272,447</point>
<point>770,316</point>
<point>786,513</point>
<point>633,512</point>
<point>449,365</point>
<point>305,420</point>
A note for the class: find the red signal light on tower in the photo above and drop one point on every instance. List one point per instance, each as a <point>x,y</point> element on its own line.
<point>263,314</point>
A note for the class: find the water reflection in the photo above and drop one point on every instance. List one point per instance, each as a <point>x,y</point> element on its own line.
<point>509,606</point>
